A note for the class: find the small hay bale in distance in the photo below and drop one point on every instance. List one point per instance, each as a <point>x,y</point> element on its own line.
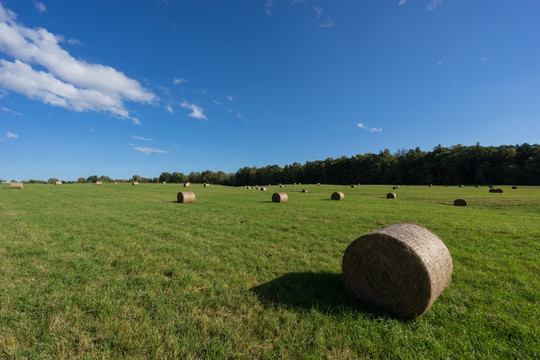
<point>460,186</point>
<point>402,268</point>
<point>460,202</point>
<point>496,191</point>
<point>99,182</point>
<point>318,184</point>
<point>58,183</point>
<point>477,186</point>
<point>338,195</point>
<point>280,197</point>
<point>514,187</point>
<point>187,184</point>
<point>135,183</point>
<point>391,196</point>
<point>430,185</point>
<point>185,197</point>
<point>263,189</point>
<point>281,186</point>
<point>16,185</point>
<point>395,187</point>
<point>304,191</point>
<point>206,185</point>
<point>353,186</point>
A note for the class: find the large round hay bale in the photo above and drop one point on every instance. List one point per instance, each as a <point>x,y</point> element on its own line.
<point>135,183</point>
<point>187,184</point>
<point>58,183</point>
<point>338,195</point>
<point>304,191</point>
<point>391,195</point>
<point>280,197</point>
<point>460,202</point>
<point>402,268</point>
<point>186,197</point>
<point>16,185</point>
<point>395,187</point>
<point>430,185</point>
<point>99,182</point>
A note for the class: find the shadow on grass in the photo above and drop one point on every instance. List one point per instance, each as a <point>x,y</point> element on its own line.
<point>324,292</point>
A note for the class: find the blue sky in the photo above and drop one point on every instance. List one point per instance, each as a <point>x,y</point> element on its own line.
<point>128,87</point>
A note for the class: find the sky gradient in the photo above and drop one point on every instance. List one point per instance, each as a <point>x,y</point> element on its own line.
<point>128,87</point>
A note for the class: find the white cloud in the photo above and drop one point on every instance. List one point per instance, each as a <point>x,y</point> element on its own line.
<point>149,151</point>
<point>11,135</point>
<point>362,126</point>
<point>268,6</point>
<point>401,2</point>
<point>11,111</point>
<point>238,115</point>
<point>66,81</point>
<point>141,138</point>
<point>74,42</point>
<point>318,11</point>
<point>329,23</point>
<point>217,102</point>
<point>40,6</point>
<point>169,109</point>
<point>196,111</point>
<point>177,81</point>
<point>230,98</point>
<point>297,1</point>
<point>430,6</point>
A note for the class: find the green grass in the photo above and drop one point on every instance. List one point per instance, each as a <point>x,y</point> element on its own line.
<point>118,271</point>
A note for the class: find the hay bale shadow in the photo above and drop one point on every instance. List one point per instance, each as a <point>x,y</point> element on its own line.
<point>303,291</point>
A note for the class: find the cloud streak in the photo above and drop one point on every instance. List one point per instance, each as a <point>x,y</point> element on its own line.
<point>40,6</point>
<point>362,126</point>
<point>64,81</point>
<point>11,135</point>
<point>149,151</point>
<point>430,6</point>
<point>196,111</point>
<point>141,138</point>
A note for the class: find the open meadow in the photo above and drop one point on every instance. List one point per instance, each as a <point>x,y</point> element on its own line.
<point>121,271</point>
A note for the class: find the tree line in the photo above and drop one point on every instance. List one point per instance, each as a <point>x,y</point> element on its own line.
<point>458,164</point>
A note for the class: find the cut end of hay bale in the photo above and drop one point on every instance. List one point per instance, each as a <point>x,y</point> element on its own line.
<point>99,182</point>
<point>16,185</point>
<point>338,195</point>
<point>185,197</point>
<point>391,195</point>
<point>135,183</point>
<point>460,202</point>
<point>263,189</point>
<point>353,186</point>
<point>401,268</point>
<point>280,197</point>
<point>281,186</point>
<point>58,183</point>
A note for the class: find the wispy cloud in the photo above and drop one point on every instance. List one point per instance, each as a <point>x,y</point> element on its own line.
<point>142,138</point>
<point>149,151</point>
<point>269,5</point>
<point>11,135</point>
<point>217,102</point>
<point>362,126</point>
<point>196,111</point>
<point>329,23</point>
<point>318,11</point>
<point>65,81</point>
<point>11,111</point>
<point>177,81</point>
<point>169,109</point>
<point>230,98</point>
<point>40,6</point>
<point>430,6</point>
<point>401,2</point>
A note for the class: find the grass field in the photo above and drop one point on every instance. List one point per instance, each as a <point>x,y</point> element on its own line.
<point>121,271</point>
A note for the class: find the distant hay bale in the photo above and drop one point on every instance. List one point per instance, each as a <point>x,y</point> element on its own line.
<point>164,182</point>
<point>402,268</point>
<point>460,202</point>
<point>294,184</point>
<point>353,186</point>
<point>430,185</point>
<point>135,183</point>
<point>338,195</point>
<point>496,191</point>
<point>187,184</point>
<point>99,182</point>
<point>206,185</point>
<point>281,186</point>
<point>318,184</point>
<point>460,186</point>
<point>58,183</point>
<point>16,185</point>
<point>280,197</point>
<point>514,187</point>
<point>391,196</point>
<point>477,186</point>
<point>299,183</point>
<point>185,197</point>
<point>304,191</point>
<point>263,189</point>
<point>395,187</point>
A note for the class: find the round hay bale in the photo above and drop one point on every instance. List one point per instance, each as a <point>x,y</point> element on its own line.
<point>280,197</point>
<point>430,185</point>
<point>187,184</point>
<point>135,183</point>
<point>294,183</point>
<point>58,183</point>
<point>99,182</point>
<point>206,185</point>
<point>496,191</point>
<point>304,191</point>
<point>353,186</point>
<point>402,268</point>
<point>460,186</point>
<point>477,186</point>
<point>391,196</point>
<point>338,195</point>
<point>318,184</point>
<point>16,185</point>
<point>395,188</point>
<point>186,197</point>
<point>263,189</point>
<point>281,186</point>
<point>514,187</point>
<point>460,202</point>
<point>164,182</point>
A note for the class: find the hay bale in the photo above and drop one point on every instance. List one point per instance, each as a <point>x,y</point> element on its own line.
<point>460,186</point>
<point>353,186</point>
<point>318,184</point>
<point>185,197</point>
<point>477,186</point>
<point>58,183</point>
<point>281,186</point>
<point>164,182</point>
<point>460,202</point>
<point>16,185</point>
<point>99,182</point>
<point>496,191</point>
<point>514,187</point>
<point>263,189</point>
<point>304,191</point>
<point>402,268</point>
<point>135,183</point>
<point>206,185</point>
<point>395,188</point>
<point>430,185</point>
<point>391,196</point>
<point>187,184</point>
<point>338,195</point>
<point>280,197</point>
<point>294,184</point>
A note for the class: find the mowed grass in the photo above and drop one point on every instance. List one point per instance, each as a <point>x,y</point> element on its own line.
<point>121,271</point>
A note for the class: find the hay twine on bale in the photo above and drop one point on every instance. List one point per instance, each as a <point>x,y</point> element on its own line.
<point>16,185</point>
<point>391,196</point>
<point>401,268</point>
<point>460,202</point>
<point>280,197</point>
<point>185,197</point>
<point>338,195</point>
